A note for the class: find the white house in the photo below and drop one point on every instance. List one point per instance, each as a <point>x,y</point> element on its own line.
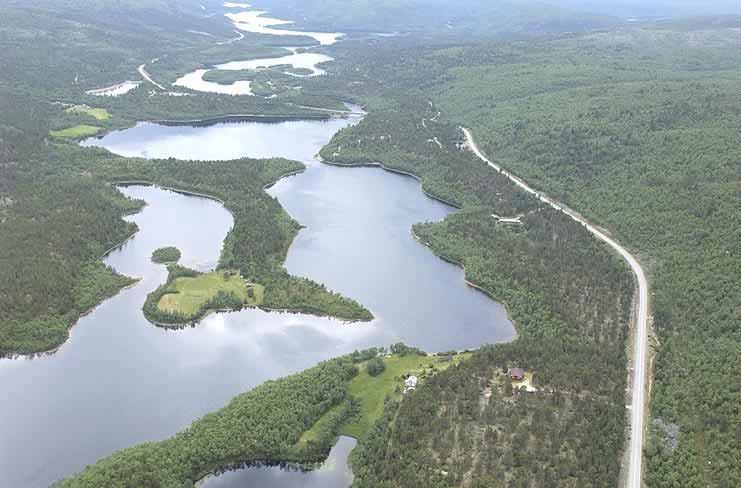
<point>410,383</point>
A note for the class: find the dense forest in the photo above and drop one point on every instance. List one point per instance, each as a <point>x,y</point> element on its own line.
<point>51,242</point>
<point>658,162</point>
<point>55,237</point>
<point>54,52</point>
<point>404,134</point>
<point>636,129</point>
<point>263,424</point>
<point>439,20</point>
<point>570,300</point>
<point>164,255</point>
<point>262,232</point>
<point>58,214</point>
<point>295,419</point>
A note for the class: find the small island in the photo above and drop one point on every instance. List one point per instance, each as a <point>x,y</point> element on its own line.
<point>166,255</point>
<point>189,295</point>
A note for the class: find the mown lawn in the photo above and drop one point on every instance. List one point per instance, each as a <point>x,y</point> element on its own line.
<point>371,391</point>
<point>188,295</point>
<point>76,131</point>
<point>98,113</point>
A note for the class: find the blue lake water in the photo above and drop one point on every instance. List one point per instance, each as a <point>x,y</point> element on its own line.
<point>119,380</point>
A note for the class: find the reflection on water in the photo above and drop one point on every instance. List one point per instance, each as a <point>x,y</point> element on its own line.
<point>97,393</point>
<point>305,60</point>
<point>355,219</point>
<point>256,22</point>
<point>299,140</point>
<point>333,473</point>
<point>119,380</point>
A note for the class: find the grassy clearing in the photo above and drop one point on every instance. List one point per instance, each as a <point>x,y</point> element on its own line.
<point>526,382</point>
<point>98,113</point>
<point>76,131</point>
<point>371,391</point>
<point>188,295</point>
<point>313,433</point>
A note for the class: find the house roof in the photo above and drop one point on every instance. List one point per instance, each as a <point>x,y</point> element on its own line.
<point>516,372</point>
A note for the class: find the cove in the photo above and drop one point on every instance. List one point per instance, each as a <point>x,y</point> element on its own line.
<point>149,382</point>
<point>333,473</point>
<point>119,380</point>
<point>355,219</point>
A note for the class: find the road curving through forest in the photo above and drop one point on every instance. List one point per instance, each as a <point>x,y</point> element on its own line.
<point>143,72</point>
<point>638,386</point>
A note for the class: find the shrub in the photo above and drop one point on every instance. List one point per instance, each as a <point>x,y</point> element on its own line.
<point>376,366</point>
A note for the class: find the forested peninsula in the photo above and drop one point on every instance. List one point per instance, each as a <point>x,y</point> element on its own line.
<point>292,419</point>
<point>263,424</point>
<point>645,147</point>
<point>637,128</point>
<point>52,240</point>
<point>256,245</point>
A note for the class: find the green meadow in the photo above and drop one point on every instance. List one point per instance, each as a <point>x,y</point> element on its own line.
<point>188,296</point>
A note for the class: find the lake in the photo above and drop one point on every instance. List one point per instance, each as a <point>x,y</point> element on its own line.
<point>96,394</point>
<point>119,380</point>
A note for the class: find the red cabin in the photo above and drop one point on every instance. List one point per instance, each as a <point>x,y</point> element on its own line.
<point>517,374</point>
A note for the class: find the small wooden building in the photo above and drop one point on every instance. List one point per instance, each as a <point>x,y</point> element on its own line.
<point>517,374</point>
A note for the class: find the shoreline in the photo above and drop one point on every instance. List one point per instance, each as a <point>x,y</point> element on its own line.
<point>304,466</point>
<point>300,311</point>
<point>304,311</point>
<point>120,244</point>
<point>214,120</point>
<point>297,311</point>
<point>391,170</point>
<point>49,352</point>
<point>268,186</point>
<point>126,183</point>
<point>460,265</point>
<point>194,322</point>
<point>233,118</point>
<point>470,283</point>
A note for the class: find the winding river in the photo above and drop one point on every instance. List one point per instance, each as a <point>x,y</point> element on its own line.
<point>119,380</point>
<point>297,60</point>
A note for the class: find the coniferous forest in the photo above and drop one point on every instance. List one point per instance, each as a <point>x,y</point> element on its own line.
<point>635,125</point>
<point>634,129</point>
<point>469,426</point>
<point>262,424</point>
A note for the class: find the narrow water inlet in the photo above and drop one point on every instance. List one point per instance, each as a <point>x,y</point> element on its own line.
<point>334,472</point>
